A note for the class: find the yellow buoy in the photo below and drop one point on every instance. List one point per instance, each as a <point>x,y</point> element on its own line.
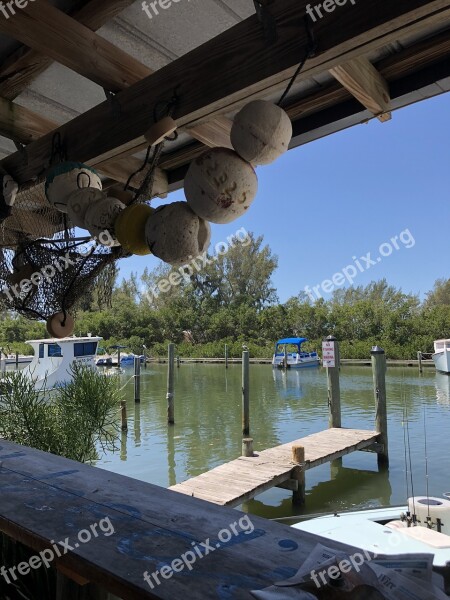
<point>129,228</point>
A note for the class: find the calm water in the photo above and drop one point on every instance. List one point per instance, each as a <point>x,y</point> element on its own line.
<point>284,407</point>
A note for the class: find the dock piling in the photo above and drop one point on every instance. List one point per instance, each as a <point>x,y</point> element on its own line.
<point>226,356</point>
<point>334,389</point>
<point>137,379</point>
<point>379,387</point>
<point>419,359</point>
<point>245,393</point>
<point>178,362</point>
<point>123,412</point>
<point>247,447</point>
<point>170,379</point>
<point>298,474</point>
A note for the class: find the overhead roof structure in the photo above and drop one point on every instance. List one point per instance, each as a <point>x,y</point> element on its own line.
<point>95,70</point>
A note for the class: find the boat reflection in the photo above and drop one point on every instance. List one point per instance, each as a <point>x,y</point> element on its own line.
<point>442,384</point>
<point>290,383</point>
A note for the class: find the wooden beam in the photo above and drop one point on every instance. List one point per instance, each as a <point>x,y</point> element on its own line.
<point>23,66</point>
<point>213,133</point>
<point>50,31</point>
<point>365,83</point>
<point>252,69</point>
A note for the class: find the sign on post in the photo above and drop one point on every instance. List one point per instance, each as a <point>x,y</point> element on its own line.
<point>328,354</point>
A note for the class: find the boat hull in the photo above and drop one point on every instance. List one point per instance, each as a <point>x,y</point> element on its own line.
<point>442,361</point>
<point>301,363</point>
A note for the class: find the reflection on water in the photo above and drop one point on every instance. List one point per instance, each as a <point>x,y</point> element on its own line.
<point>284,406</point>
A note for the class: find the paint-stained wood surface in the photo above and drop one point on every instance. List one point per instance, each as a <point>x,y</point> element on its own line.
<point>242,479</point>
<point>45,498</point>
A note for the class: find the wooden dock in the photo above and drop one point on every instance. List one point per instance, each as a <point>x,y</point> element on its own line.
<point>235,482</point>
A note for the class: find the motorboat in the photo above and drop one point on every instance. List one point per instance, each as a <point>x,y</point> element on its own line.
<point>53,359</point>
<point>441,356</point>
<point>289,355</point>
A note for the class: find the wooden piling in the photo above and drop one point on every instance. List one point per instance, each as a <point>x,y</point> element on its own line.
<point>419,359</point>
<point>145,356</point>
<point>170,380</point>
<point>379,387</point>
<point>17,361</point>
<point>118,358</point>
<point>226,356</point>
<point>245,393</point>
<point>334,389</point>
<point>137,379</point>
<point>178,362</point>
<point>247,447</point>
<point>123,411</point>
<point>298,474</point>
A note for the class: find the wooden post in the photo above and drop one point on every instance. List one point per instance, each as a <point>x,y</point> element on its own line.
<point>298,473</point>
<point>145,357</point>
<point>17,361</point>
<point>118,358</point>
<point>178,362</point>
<point>419,358</point>
<point>137,379</point>
<point>245,393</point>
<point>123,411</point>
<point>170,374</point>
<point>226,356</point>
<point>285,362</point>
<point>247,447</point>
<point>379,387</point>
<point>334,389</point>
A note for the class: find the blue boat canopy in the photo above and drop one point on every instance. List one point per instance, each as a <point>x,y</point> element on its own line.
<point>295,341</point>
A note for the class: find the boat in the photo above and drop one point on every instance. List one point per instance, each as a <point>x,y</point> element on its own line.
<point>295,359</point>
<point>127,360</point>
<point>53,358</point>
<point>441,356</point>
<point>104,361</point>
<point>422,526</point>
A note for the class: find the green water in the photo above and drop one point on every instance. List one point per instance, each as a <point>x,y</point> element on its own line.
<point>285,407</point>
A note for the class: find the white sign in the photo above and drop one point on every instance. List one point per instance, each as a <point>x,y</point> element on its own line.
<point>328,354</point>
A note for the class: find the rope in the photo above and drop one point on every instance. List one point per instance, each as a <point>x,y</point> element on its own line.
<point>311,50</point>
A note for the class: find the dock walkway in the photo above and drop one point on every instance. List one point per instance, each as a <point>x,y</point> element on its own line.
<point>242,479</point>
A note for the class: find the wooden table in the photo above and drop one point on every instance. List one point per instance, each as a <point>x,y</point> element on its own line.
<point>44,497</point>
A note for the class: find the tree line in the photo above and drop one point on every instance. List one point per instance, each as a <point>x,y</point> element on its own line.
<point>231,300</point>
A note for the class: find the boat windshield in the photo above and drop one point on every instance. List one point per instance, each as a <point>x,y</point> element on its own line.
<point>85,349</point>
<point>54,350</point>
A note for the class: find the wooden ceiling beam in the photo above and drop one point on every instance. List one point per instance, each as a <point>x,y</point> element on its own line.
<point>365,83</point>
<point>252,69</point>
<point>23,66</point>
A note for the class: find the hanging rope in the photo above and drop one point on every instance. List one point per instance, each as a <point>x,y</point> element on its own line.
<point>311,50</point>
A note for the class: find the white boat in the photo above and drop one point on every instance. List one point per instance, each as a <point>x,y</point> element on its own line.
<point>53,358</point>
<point>441,356</point>
<point>295,358</point>
<point>391,531</point>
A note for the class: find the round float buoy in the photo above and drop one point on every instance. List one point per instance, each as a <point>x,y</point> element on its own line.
<point>160,130</point>
<point>79,201</point>
<point>100,217</point>
<point>67,177</point>
<point>60,327</point>
<point>129,228</point>
<point>175,234</point>
<point>261,132</point>
<point>220,185</point>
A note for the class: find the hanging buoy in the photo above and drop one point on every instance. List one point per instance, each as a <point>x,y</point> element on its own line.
<point>67,177</point>
<point>8,193</point>
<point>220,185</point>
<point>160,130</point>
<point>79,201</point>
<point>100,217</point>
<point>129,228</point>
<point>261,132</point>
<point>175,234</point>
<point>60,326</point>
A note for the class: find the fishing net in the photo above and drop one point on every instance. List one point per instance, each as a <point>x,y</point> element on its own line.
<point>44,269</point>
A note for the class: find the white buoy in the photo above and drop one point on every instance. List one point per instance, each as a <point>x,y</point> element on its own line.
<point>99,220</point>
<point>261,132</point>
<point>220,186</point>
<point>67,177</point>
<point>78,203</point>
<point>176,235</point>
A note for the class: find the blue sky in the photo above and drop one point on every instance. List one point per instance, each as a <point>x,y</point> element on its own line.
<point>343,196</point>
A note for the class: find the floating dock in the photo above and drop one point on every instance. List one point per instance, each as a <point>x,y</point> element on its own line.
<point>242,479</point>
